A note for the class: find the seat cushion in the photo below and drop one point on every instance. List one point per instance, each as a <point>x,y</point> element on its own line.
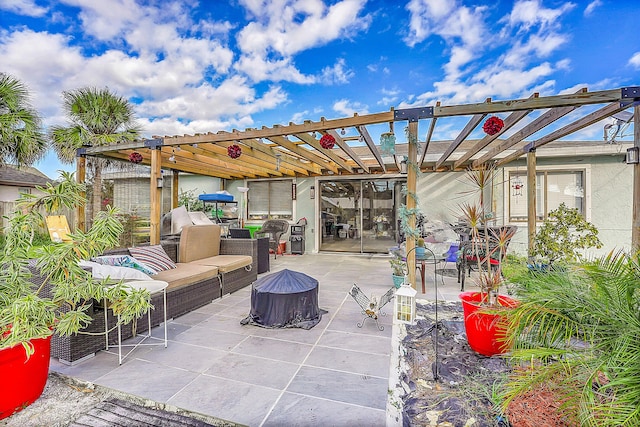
<point>186,274</point>
<point>226,263</point>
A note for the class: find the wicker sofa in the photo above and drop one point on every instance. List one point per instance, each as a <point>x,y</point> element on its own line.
<point>192,285</point>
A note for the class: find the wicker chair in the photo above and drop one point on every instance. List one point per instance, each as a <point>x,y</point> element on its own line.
<point>273,229</point>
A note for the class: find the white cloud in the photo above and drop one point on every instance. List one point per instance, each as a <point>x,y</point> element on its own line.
<point>592,6</point>
<point>23,7</point>
<point>634,61</point>
<point>529,13</point>
<point>336,74</point>
<point>347,108</point>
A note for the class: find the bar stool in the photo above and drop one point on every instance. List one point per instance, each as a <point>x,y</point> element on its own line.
<point>154,287</point>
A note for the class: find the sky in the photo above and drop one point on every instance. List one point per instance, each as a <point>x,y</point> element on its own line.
<point>206,66</point>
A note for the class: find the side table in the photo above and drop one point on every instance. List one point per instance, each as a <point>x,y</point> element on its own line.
<point>154,287</point>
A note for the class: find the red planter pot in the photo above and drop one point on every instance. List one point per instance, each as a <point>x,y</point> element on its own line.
<point>23,380</point>
<point>484,331</point>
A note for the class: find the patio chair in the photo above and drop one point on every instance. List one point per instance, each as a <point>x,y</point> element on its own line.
<point>473,251</point>
<point>273,228</point>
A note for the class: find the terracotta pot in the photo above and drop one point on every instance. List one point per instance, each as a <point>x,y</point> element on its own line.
<point>23,379</point>
<point>484,331</point>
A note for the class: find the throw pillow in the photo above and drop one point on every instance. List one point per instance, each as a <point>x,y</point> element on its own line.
<point>123,261</point>
<point>103,271</point>
<point>153,257</point>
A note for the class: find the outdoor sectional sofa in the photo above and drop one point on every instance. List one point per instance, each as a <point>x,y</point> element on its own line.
<point>213,267</point>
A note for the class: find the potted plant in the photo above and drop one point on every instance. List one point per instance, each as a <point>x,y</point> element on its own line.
<point>31,312</point>
<point>484,250</point>
<point>420,248</point>
<point>398,269</point>
<point>561,237</point>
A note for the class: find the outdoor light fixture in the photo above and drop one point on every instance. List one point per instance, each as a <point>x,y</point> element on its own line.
<point>633,156</point>
<point>312,192</point>
<point>403,166</point>
<point>406,304</point>
<point>159,182</point>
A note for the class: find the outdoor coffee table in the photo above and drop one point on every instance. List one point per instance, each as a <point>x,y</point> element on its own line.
<point>154,287</point>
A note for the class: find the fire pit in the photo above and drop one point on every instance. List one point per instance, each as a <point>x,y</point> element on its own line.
<point>286,299</point>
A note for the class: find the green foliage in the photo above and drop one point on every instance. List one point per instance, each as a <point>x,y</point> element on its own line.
<point>563,234</point>
<point>580,327</point>
<point>398,265</point>
<point>60,303</point>
<point>190,200</point>
<point>21,138</point>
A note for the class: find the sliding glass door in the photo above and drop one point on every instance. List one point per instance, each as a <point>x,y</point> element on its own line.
<point>360,215</point>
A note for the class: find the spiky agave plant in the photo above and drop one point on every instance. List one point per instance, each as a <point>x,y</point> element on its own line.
<point>579,330</point>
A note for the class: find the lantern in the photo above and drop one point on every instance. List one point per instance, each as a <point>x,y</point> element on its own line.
<point>406,304</point>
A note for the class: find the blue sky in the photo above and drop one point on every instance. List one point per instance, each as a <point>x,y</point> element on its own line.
<point>206,66</point>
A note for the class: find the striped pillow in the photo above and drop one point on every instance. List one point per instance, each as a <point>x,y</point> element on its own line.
<point>153,257</point>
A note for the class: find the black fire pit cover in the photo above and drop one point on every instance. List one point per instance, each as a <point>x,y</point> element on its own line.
<point>286,299</point>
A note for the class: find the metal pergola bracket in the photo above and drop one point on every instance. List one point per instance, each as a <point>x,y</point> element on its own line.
<point>413,114</point>
<point>154,143</point>
<point>631,92</point>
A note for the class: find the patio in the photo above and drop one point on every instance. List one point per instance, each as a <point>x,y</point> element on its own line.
<point>332,374</point>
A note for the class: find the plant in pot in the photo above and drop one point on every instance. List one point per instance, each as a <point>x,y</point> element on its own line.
<point>398,269</point>
<point>420,247</point>
<point>561,237</point>
<point>484,251</point>
<point>31,312</point>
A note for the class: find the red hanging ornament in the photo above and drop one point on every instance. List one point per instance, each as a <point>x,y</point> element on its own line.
<point>493,125</point>
<point>234,151</point>
<point>135,157</point>
<point>327,141</point>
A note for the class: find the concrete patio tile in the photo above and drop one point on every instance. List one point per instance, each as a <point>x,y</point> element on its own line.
<point>369,327</point>
<point>192,318</point>
<point>199,358</point>
<point>230,400</point>
<point>253,370</point>
<point>363,390</point>
<point>349,361</point>
<point>153,381</point>
<point>242,296</point>
<point>285,351</point>
<point>173,330</point>
<point>291,334</point>
<point>294,410</point>
<point>239,311</point>
<point>224,323</point>
<point>211,338</point>
<point>89,369</point>
<point>369,344</point>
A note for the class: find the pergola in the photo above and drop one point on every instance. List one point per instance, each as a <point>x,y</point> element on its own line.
<point>294,150</point>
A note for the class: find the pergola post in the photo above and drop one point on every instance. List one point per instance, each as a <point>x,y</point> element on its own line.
<point>412,136</point>
<point>174,189</point>
<point>531,202</point>
<point>635,226</point>
<point>156,196</point>
<point>81,176</point>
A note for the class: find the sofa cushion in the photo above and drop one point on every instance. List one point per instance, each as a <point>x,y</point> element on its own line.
<point>153,257</point>
<point>226,263</point>
<point>113,272</point>
<point>186,274</point>
<point>198,242</point>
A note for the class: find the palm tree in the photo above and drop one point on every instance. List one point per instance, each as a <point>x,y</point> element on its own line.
<point>578,332</point>
<point>97,117</point>
<point>21,138</point>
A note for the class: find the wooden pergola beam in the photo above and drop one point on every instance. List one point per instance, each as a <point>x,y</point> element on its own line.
<point>348,151</point>
<point>270,151</point>
<point>362,130</point>
<point>304,153</point>
<point>331,154</point>
<point>427,140</point>
<point>471,125</point>
<point>581,123</point>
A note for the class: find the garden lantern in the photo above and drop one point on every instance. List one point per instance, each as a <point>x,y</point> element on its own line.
<point>406,304</point>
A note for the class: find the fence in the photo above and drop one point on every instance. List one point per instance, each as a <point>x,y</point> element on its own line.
<point>7,209</point>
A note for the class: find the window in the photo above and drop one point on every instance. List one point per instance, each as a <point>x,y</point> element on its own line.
<point>270,199</point>
<point>24,190</point>
<point>553,187</point>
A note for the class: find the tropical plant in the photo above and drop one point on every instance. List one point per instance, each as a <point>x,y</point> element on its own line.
<point>97,117</point>
<point>563,234</point>
<point>21,138</point>
<point>398,265</point>
<point>60,303</point>
<point>580,328</point>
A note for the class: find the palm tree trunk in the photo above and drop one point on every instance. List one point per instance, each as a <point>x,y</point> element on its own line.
<point>97,191</point>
